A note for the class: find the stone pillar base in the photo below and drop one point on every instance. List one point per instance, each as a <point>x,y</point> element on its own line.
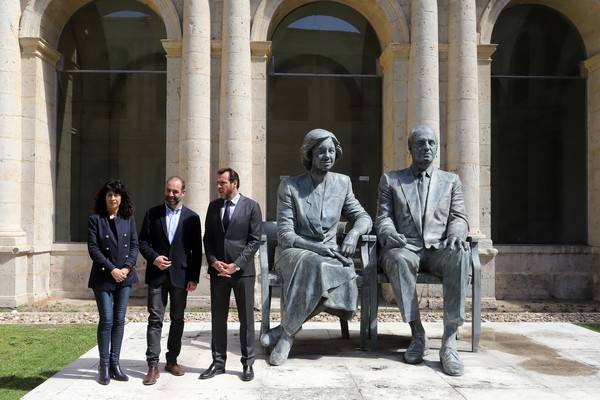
<point>596,273</point>
<point>13,269</point>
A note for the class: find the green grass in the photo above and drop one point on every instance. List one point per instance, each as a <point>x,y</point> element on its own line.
<point>594,327</point>
<point>31,354</point>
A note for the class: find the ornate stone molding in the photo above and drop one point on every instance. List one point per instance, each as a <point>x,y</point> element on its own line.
<point>592,63</point>
<point>38,47</point>
<point>260,49</point>
<point>216,47</point>
<point>394,51</point>
<point>484,53</point>
<point>443,51</point>
<point>172,47</point>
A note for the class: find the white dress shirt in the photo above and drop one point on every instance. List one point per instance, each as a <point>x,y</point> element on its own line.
<point>172,219</point>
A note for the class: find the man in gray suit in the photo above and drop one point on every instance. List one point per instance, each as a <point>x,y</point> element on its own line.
<point>422,225</point>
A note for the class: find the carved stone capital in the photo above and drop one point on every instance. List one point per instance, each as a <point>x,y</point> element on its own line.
<point>216,47</point>
<point>484,53</point>
<point>172,47</point>
<point>260,49</point>
<point>592,63</point>
<point>38,47</point>
<point>393,52</point>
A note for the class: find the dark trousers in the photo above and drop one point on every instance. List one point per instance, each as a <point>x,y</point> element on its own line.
<point>112,305</point>
<point>157,302</point>
<point>453,266</point>
<point>220,292</point>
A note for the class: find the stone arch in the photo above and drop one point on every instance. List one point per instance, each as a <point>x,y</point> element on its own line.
<point>582,14</point>
<point>386,17</point>
<point>46,18</point>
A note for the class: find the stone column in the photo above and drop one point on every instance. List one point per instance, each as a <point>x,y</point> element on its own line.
<point>394,63</point>
<point>462,142</point>
<point>485,52</point>
<point>173,56</point>
<point>235,145</point>
<point>194,133</point>
<point>11,232</point>
<point>13,261</point>
<point>38,96</point>
<point>261,51</point>
<point>423,72</point>
<point>592,66</point>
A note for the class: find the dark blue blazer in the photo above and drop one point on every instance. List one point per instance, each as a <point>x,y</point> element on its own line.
<point>241,240</point>
<point>109,252</point>
<point>185,252</point>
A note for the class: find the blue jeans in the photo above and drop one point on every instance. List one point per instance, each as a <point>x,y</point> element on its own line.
<point>112,306</point>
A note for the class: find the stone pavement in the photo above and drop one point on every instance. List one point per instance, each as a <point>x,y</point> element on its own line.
<point>516,360</point>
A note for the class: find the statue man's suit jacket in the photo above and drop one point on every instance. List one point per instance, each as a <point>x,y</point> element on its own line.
<point>399,209</point>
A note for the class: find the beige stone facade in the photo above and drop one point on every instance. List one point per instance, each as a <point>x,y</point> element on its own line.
<point>435,68</point>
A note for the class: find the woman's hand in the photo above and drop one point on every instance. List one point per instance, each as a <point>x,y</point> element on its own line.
<point>321,250</point>
<point>349,244</point>
<point>118,275</point>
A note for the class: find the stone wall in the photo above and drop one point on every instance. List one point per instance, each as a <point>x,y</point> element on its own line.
<point>544,272</point>
<point>70,269</point>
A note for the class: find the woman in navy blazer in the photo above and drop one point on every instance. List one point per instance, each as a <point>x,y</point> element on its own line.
<point>113,247</point>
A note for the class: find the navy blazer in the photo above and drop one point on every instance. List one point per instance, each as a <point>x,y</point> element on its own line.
<point>109,252</point>
<point>240,242</point>
<point>185,252</point>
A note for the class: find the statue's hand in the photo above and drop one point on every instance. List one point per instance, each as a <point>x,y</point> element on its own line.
<point>321,250</point>
<point>455,241</point>
<point>395,240</point>
<point>349,244</point>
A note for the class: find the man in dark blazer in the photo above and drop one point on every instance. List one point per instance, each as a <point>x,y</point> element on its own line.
<point>171,243</point>
<point>232,237</point>
<point>422,225</point>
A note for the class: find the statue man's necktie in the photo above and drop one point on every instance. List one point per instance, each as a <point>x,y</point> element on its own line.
<point>422,186</point>
<point>226,215</point>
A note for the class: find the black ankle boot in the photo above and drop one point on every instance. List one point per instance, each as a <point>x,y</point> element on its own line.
<point>103,374</point>
<point>116,372</point>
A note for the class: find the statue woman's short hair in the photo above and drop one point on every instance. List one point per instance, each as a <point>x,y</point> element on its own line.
<point>312,140</point>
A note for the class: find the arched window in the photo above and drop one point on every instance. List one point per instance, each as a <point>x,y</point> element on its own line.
<point>111,109</point>
<point>538,129</point>
<point>324,74</point>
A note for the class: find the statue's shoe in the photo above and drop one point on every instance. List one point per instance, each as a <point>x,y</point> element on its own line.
<point>451,363</point>
<point>416,350</point>
<point>282,350</point>
<point>270,338</point>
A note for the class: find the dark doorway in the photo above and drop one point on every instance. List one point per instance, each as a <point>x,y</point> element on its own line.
<point>324,75</point>
<point>539,155</point>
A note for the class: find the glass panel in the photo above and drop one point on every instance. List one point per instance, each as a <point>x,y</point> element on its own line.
<point>539,151</point>
<point>109,124</point>
<point>312,45</point>
<point>348,106</point>
<point>325,37</point>
<point>536,41</point>
<point>113,35</point>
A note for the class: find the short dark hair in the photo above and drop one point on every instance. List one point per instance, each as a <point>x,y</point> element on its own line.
<point>126,208</point>
<point>233,176</point>
<point>176,177</point>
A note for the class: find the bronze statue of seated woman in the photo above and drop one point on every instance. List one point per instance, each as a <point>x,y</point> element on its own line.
<point>318,274</point>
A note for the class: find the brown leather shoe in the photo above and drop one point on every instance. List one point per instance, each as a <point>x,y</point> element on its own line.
<point>151,376</point>
<point>174,369</point>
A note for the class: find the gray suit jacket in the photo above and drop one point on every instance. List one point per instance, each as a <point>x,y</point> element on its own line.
<point>299,212</point>
<point>398,209</point>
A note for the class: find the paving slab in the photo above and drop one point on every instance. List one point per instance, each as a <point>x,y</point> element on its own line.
<point>534,360</point>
